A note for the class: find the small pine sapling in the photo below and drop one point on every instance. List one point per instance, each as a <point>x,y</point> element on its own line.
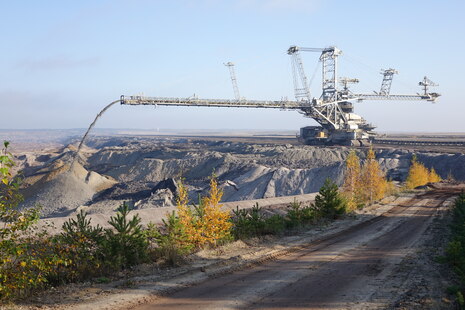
<point>126,244</point>
<point>329,203</point>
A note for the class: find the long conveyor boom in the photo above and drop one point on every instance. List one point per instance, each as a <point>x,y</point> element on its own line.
<point>228,103</point>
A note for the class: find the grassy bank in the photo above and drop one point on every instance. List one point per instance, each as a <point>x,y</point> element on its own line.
<point>455,250</point>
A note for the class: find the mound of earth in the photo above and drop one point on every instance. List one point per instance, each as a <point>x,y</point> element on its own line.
<point>142,171</point>
<point>62,190</point>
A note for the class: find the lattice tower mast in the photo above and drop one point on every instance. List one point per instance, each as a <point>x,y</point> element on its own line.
<point>301,86</point>
<point>329,84</point>
<point>230,65</point>
<point>425,83</point>
<point>388,74</point>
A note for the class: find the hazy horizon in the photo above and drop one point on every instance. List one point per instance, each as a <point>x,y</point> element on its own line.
<point>199,130</point>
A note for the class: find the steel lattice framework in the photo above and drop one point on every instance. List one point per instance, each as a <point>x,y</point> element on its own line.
<point>230,65</point>
<point>388,74</point>
<point>333,110</point>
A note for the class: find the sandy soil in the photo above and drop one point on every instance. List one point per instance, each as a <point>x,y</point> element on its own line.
<point>419,281</point>
<point>380,257</point>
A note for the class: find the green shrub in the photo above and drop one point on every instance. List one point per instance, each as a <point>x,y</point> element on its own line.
<point>329,203</point>
<point>170,242</point>
<point>125,244</point>
<point>274,225</point>
<point>453,289</point>
<point>248,222</point>
<point>458,218</point>
<point>27,257</point>
<point>460,299</point>
<point>83,243</point>
<point>455,255</point>
<point>251,222</point>
<point>102,280</point>
<point>455,250</point>
<point>298,215</point>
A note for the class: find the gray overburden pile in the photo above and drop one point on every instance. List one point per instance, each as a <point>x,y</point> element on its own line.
<point>143,172</point>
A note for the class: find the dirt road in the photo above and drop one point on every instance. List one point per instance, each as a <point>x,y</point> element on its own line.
<point>349,270</point>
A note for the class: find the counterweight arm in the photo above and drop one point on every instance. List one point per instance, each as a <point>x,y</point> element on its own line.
<point>428,97</point>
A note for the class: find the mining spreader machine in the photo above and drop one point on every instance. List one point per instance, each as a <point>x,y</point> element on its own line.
<point>333,110</point>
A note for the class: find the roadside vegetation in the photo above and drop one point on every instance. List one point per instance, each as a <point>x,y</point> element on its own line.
<point>329,204</point>
<point>419,175</point>
<point>455,250</point>
<point>19,270</point>
<point>31,260</point>
<point>364,182</point>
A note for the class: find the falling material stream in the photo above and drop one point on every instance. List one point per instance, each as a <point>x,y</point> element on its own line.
<point>88,130</point>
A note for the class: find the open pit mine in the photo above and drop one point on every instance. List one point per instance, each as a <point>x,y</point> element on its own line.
<point>143,171</point>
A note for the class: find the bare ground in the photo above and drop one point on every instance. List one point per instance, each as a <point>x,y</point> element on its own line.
<point>383,257</point>
<point>359,268</point>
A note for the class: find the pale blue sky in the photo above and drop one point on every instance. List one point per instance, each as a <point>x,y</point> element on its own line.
<point>62,61</point>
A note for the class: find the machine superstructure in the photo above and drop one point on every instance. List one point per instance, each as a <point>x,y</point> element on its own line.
<point>333,110</point>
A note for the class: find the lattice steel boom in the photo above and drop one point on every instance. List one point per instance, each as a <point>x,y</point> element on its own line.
<point>219,103</point>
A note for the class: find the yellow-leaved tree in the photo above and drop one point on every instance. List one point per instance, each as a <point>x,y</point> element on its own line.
<point>217,222</point>
<point>205,223</point>
<point>186,216</point>
<point>433,177</point>
<point>419,175</point>
<point>374,184</point>
<point>352,187</point>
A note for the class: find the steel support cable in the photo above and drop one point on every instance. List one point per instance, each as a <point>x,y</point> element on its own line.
<point>314,74</point>
<point>360,65</point>
<point>372,70</point>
